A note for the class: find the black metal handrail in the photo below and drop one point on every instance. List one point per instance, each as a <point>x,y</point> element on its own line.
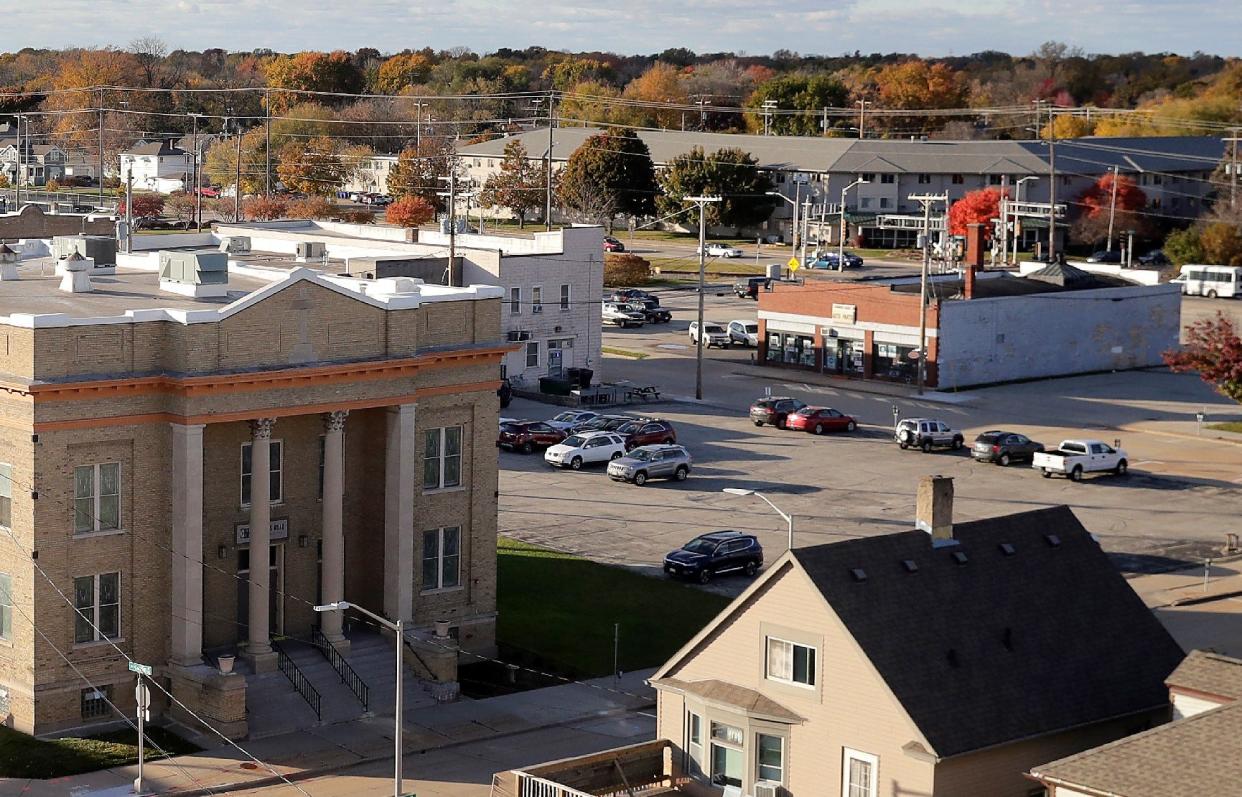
<point>348,675</point>
<point>301,684</point>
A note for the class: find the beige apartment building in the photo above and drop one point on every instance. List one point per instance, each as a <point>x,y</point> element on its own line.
<point>133,420</point>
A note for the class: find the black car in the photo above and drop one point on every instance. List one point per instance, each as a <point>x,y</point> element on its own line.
<point>713,554</point>
<point>603,423</point>
<point>1004,447</point>
<point>634,296</point>
<point>1105,256</point>
<point>652,309</point>
<point>1155,257</point>
<point>749,287</point>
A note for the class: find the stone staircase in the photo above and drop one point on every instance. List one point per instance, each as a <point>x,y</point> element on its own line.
<point>275,707</point>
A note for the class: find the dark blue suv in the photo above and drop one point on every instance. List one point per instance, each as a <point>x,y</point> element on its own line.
<point>715,553</point>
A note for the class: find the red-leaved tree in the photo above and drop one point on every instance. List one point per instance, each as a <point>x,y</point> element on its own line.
<point>977,207</point>
<point>1214,350</point>
<point>1093,205</point>
<point>264,208</point>
<point>410,211</point>
<point>147,204</point>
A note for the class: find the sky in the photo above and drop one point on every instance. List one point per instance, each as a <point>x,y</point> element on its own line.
<point>829,27</point>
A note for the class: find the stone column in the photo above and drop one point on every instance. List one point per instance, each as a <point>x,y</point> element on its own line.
<point>259,649</point>
<point>333,530</point>
<point>400,472</point>
<point>187,544</point>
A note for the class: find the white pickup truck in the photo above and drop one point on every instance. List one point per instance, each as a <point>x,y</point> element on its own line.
<point>1073,458</point>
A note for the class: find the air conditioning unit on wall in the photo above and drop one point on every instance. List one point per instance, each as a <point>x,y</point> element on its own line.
<point>767,788</point>
<point>517,335</point>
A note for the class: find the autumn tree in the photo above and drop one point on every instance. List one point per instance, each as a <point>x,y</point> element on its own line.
<point>418,170</point>
<point>916,85</point>
<point>1212,349</point>
<point>1067,125</point>
<point>180,206</point>
<point>659,85</point>
<point>147,204</point>
<point>976,207</point>
<point>220,164</point>
<point>1092,224</point>
<point>410,211</point>
<point>519,185</point>
<point>401,71</point>
<point>587,103</point>
<point>806,93</point>
<point>330,73</point>
<point>1183,246</point>
<point>264,208</point>
<point>729,173</point>
<point>1222,244</point>
<point>79,72</point>
<point>610,174</point>
<point>312,207</point>
<point>314,167</point>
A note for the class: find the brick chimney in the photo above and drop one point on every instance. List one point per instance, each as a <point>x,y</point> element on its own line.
<point>934,509</point>
<point>968,282</point>
<point>976,246</point>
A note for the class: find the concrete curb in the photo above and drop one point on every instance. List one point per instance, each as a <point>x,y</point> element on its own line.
<point>306,774</point>
<point>1182,435</point>
<point>1198,599</point>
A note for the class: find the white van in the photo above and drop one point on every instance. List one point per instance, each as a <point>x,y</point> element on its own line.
<point>1210,281</point>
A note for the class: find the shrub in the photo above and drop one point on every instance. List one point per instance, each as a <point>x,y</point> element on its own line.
<point>147,204</point>
<point>356,216</point>
<point>410,211</point>
<point>263,208</point>
<point>625,269</point>
<point>313,207</point>
<point>52,185</point>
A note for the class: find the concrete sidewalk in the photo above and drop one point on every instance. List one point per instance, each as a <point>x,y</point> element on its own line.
<point>330,748</point>
<point>1189,586</point>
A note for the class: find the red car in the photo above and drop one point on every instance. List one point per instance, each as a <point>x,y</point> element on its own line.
<point>612,244</point>
<point>524,436</point>
<point>818,420</point>
<point>647,432</point>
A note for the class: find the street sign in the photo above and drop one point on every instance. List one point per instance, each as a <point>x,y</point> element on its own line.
<point>142,696</point>
<point>141,669</point>
<point>793,264</point>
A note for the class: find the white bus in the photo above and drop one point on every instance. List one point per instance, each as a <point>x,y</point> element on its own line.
<point>1210,281</point>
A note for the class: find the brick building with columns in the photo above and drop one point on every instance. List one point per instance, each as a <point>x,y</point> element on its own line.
<point>132,421</point>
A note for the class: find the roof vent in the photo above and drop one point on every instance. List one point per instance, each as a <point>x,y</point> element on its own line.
<point>1007,549</point>
<point>77,274</point>
<point>960,557</point>
<point>1053,540</point>
<point>910,565</point>
<point>859,574</point>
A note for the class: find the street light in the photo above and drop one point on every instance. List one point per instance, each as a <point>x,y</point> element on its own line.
<point>793,238</point>
<point>1018,193</point>
<point>841,243</point>
<point>757,494</point>
<point>345,605</point>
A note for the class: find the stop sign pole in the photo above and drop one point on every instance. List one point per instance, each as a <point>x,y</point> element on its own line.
<point>142,699</point>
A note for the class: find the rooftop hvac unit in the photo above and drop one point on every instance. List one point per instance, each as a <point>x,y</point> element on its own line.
<point>311,250</point>
<point>235,244</point>
<point>767,788</point>
<point>197,274</point>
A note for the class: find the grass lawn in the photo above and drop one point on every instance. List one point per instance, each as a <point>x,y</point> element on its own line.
<point>1227,426</point>
<point>716,266</point>
<point>23,756</point>
<point>614,351</point>
<point>563,608</point>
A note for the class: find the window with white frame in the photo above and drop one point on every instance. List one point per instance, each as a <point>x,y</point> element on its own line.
<point>565,297</point>
<point>726,754</point>
<point>694,736</point>
<point>95,702</point>
<point>770,757</point>
<point>276,458</point>
<point>532,354</point>
<point>859,774</point>
<point>441,558</point>
<point>97,600</point>
<point>6,607</point>
<point>536,299</point>
<point>6,495</point>
<point>442,458</point>
<point>96,497</point>
<point>515,301</point>
<point>790,662</point>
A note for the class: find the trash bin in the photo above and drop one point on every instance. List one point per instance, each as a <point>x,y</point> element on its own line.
<point>554,387</point>
<point>584,377</point>
<point>572,376</point>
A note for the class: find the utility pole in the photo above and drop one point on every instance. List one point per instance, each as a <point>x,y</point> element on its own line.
<point>237,189</point>
<point>1052,186</point>
<point>703,102</point>
<point>17,173</point>
<point>823,123</point>
<point>806,216</point>
<point>267,133</point>
<point>841,243</point>
<point>451,194</point>
<point>101,147</point>
<point>862,117</point>
<point>547,212</point>
<point>702,202</point>
<point>198,194</point>
<point>1233,171</point>
<point>129,210</point>
<point>1004,212</point>
<point>926,201</point>
<point>795,229</point>
<point>418,125</point>
<point>768,107</point>
<point>1112,210</point>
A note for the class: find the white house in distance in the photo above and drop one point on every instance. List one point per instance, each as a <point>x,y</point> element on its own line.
<point>157,166</point>
<point>371,176</point>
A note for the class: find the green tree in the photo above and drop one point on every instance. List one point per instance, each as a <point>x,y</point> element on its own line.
<point>729,173</point>
<point>796,93</point>
<point>610,174</point>
<point>1184,246</point>
<point>519,185</point>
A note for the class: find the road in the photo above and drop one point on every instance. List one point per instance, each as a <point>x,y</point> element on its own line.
<point>466,770</point>
<point>1174,507</point>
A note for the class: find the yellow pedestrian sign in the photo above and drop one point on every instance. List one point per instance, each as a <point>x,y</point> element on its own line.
<point>793,264</point>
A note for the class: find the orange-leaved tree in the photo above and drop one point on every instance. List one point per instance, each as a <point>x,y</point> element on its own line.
<point>410,211</point>
<point>976,207</point>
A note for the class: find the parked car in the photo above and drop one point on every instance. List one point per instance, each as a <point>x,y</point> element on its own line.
<point>622,315</point>
<point>1004,447</point>
<point>744,332</point>
<point>774,410</point>
<point>714,334</point>
<point>603,423</point>
<point>818,420</point>
<point>749,287</point>
<point>525,436</point>
<point>651,462</point>
<point>926,433</point>
<point>720,250</point>
<point>828,260</point>
<point>570,419</point>
<point>1105,256</point>
<point>158,223</point>
<point>624,295</point>
<point>505,392</point>
<point>654,313</point>
<point>1073,458</point>
<point>713,554</point>
<point>1155,257</point>
<point>587,448</point>
<point>647,432</point>
<point>612,244</point>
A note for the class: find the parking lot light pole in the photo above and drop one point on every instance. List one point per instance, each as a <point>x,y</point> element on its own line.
<point>396,627</point>
<point>757,494</point>
<point>841,243</point>
<point>702,202</point>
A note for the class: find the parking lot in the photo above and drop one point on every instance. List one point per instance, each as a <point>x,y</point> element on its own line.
<point>1175,505</point>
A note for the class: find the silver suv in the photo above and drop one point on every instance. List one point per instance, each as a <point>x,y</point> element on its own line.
<point>926,434</point>
<point>651,462</point>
